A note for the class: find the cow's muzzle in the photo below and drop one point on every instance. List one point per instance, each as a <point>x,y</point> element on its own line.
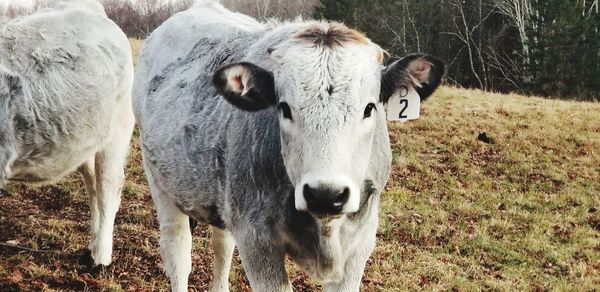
<point>325,200</point>
<point>326,196</point>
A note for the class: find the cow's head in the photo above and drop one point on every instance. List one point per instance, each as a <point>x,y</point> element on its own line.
<point>329,87</point>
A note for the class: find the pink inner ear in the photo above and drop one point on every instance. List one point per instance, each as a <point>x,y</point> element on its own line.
<point>235,81</point>
<point>418,70</point>
<point>238,82</point>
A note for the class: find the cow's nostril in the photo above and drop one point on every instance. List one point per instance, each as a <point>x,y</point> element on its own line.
<point>342,198</point>
<point>309,193</point>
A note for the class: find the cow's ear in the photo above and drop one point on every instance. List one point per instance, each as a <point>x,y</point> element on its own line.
<point>246,86</point>
<point>419,71</point>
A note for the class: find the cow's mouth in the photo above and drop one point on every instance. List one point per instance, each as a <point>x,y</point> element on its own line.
<point>326,218</point>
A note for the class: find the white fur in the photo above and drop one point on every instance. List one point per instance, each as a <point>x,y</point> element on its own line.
<point>222,243</point>
<point>175,239</point>
<point>81,102</point>
<point>341,155</point>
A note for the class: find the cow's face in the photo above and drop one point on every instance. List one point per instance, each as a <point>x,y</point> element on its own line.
<point>328,101</point>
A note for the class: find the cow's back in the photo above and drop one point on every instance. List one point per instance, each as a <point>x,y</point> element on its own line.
<point>199,37</point>
<point>182,119</point>
<point>76,70</point>
<point>72,46</point>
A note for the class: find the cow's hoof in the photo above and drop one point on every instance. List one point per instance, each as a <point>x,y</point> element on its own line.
<point>98,270</point>
<point>87,261</point>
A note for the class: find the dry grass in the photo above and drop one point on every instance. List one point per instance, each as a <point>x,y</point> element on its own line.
<point>518,214</point>
<point>136,47</point>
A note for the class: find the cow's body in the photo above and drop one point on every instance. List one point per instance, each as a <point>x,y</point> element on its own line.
<point>67,74</point>
<point>208,160</point>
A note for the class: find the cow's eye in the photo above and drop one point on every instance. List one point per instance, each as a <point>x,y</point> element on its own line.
<point>368,110</point>
<point>285,110</point>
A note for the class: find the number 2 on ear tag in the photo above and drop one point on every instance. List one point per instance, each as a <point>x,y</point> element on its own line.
<point>403,108</point>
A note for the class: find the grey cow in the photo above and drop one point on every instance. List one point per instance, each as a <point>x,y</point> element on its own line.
<point>65,104</point>
<point>273,134</point>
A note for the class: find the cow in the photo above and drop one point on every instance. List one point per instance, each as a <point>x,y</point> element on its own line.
<point>66,74</point>
<point>273,134</point>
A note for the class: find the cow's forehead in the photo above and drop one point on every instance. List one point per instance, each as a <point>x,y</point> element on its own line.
<point>334,35</point>
<point>338,74</point>
<point>325,64</point>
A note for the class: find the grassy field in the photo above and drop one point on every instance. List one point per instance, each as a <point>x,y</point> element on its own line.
<point>520,213</point>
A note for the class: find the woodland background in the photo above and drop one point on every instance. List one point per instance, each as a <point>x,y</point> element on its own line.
<point>541,47</point>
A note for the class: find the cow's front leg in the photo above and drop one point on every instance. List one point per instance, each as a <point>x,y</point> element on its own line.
<point>88,173</point>
<point>175,239</point>
<point>264,264</point>
<point>109,180</point>
<point>109,164</point>
<point>222,244</point>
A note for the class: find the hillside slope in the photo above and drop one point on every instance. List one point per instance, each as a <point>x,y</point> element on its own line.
<point>520,213</point>
<point>517,214</point>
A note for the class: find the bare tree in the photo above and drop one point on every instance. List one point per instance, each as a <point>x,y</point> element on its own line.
<point>412,23</point>
<point>593,6</point>
<point>262,8</point>
<point>464,32</point>
<point>282,9</point>
<point>519,12</point>
<point>139,18</point>
<point>11,10</point>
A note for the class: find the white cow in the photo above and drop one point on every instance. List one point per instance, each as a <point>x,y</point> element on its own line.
<point>65,104</point>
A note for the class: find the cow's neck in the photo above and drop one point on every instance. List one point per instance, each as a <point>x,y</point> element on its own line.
<point>325,259</point>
